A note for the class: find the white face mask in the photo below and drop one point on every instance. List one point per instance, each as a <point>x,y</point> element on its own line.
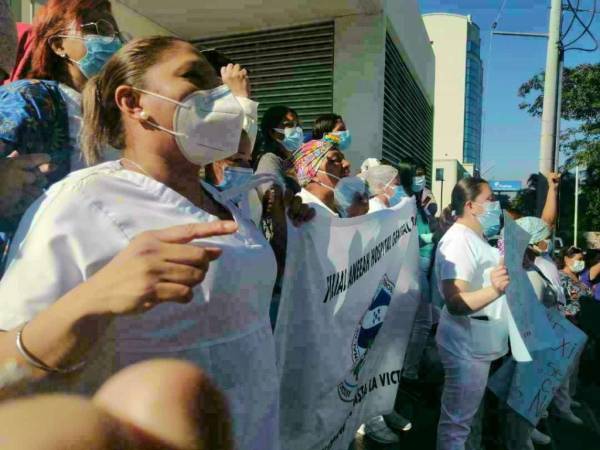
<point>577,266</point>
<point>207,124</point>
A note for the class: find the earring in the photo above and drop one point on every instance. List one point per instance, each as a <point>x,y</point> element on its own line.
<point>144,115</point>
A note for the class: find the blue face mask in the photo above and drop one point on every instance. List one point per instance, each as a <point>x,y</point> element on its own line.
<point>235,177</point>
<point>344,137</point>
<point>418,184</point>
<point>490,218</point>
<point>99,51</point>
<point>294,138</point>
<point>399,194</point>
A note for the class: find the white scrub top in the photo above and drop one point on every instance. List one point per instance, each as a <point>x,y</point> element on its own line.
<point>464,255</point>
<point>312,200</point>
<point>376,205</point>
<point>84,220</point>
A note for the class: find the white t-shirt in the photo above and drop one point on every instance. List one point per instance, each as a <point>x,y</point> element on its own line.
<point>84,220</point>
<point>312,200</point>
<point>550,271</point>
<point>376,205</point>
<point>464,255</point>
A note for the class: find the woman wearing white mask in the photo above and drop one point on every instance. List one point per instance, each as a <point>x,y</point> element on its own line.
<point>160,102</point>
<point>473,330</point>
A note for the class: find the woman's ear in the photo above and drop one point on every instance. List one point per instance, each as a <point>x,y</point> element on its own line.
<point>128,101</point>
<point>56,44</point>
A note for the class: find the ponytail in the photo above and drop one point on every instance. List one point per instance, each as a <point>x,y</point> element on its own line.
<point>94,135</point>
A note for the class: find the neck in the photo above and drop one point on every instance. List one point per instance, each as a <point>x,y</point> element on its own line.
<point>180,175</point>
<point>569,272</point>
<point>322,193</point>
<point>472,223</point>
<point>76,79</point>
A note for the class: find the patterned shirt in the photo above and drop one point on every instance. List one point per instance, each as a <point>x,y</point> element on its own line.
<point>574,291</point>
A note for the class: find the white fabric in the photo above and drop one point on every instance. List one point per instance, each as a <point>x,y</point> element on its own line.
<point>376,205</point>
<point>338,367</point>
<point>464,255</point>
<point>250,124</point>
<point>312,200</point>
<point>84,220</point>
<point>464,386</point>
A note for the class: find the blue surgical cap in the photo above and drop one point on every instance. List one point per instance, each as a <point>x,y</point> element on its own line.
<point>536,227</point>
<point>347,191</point>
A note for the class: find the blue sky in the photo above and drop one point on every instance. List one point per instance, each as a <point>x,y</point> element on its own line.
<point>511,137</point>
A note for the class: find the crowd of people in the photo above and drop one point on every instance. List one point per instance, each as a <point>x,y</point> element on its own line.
<point>145,214</point>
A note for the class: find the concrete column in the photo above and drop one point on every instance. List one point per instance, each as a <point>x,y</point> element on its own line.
<point>358,85</point>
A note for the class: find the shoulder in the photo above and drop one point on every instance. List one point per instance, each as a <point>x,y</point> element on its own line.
<point>30,88</point>
<point>269,160</point>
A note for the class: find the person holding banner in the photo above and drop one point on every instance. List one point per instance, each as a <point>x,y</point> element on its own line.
<point>387,187</point>
<point>320,166</point>
<point>473,330</point>
<point>351,197</point>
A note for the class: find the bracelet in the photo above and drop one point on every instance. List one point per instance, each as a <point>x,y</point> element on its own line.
<point>35,362</point>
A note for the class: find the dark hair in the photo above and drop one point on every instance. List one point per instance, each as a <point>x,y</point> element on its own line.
<point>567,253</point>
<point>466,190</point>
<point>271,119</point>
<point>324,124</point>
<point>420,170</point>
<point>102,123</point>
<point>406,174</point>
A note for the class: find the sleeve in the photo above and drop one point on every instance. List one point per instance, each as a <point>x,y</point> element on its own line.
<point>54,250</point>
<point>250,126</point>
<point>15,120</point>
<point>270,164</point>
<point>457,260</point>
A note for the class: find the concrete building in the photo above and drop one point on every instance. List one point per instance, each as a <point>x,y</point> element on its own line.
<point>458,93</point>
<point>367,60</point>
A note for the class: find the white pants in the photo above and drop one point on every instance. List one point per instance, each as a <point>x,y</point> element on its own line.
<point>465,381</point>
<point>420,331</point>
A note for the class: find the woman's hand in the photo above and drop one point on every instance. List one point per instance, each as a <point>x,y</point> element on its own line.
<point>158,266</point>
<point>499,278</point>
<point>297,211</point>
<point>236,79</point>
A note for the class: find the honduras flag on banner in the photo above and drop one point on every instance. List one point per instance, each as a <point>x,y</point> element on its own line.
<point>348,302</point>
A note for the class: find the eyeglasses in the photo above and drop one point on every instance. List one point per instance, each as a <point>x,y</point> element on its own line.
<point>99,28</point>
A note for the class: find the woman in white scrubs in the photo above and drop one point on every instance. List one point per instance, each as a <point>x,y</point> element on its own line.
<point>472,331</point>
<point>160,102</point>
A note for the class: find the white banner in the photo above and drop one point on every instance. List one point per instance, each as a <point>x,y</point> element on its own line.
<point>550,342</point>
<point>347,307</point>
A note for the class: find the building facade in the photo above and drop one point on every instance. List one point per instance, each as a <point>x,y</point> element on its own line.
<point>457,132</point>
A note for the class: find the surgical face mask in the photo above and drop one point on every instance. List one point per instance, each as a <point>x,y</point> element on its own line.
<point>234,176</point>
<point>99,50</point>
<point>490,218</point>
<point>397,196</point>
<point>348,192</point>
<point>577,266</point>
<point>293,140</point>
<point>344,137</point>
<point>207,124</point>
<point>418,184</point>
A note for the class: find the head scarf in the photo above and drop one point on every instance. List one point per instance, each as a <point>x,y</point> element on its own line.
<point>379,177</point>
<point>536,227</point>
<point>8,39</point>
<point>308,159</point>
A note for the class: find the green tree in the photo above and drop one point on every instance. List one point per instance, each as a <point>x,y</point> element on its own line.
<point>579,142</point>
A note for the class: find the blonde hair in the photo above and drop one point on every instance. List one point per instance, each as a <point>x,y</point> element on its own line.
<point>102,123</point>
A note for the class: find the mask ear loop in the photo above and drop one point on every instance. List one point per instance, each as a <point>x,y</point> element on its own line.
<point>155,125</point>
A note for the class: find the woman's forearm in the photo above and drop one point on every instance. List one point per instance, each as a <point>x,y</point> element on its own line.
<point>61,335</point>
<point>463,303</point>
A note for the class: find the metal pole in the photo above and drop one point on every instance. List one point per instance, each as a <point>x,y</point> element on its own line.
<point>549,120</point>
<point>576,219</point>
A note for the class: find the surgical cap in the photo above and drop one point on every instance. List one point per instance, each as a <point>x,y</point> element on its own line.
<point>8,39</point>
<point>308,159</point>
<point>536,227</point>
<point>368,163</point>
<point>345,193</point>
<point>379,177</point>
